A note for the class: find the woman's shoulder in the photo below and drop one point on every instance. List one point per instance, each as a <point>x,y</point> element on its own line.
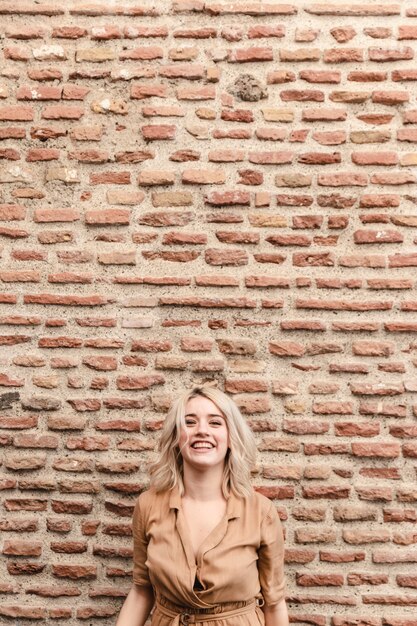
<point>256,501</point>
<point>151,498</point>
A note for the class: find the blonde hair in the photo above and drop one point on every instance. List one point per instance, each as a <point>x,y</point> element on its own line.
<point>167,471</point>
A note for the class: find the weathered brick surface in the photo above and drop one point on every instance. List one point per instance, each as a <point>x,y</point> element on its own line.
<point>198,190</point>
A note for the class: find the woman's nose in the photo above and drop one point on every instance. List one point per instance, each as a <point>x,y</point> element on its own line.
<point>202,427</point>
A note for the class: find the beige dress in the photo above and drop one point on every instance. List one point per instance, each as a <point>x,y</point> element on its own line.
<point>240,561</point>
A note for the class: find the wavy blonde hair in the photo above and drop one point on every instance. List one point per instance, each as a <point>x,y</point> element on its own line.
<point>167,471</point>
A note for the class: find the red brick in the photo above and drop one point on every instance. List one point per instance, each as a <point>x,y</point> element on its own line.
<point>343,55</point>
<point>402,260</point>
<point>86,133</point>
<point>358,10</point>
<point>407,32</point>
<point>232,133</point>
<point>366,77</point>
<point>141,92</point>
<point>382,55</point>
<point>372,348</point>
<point>286,349</point>
<point>378,32</point>
<point>75,572</point>
<point>62,111</point>
<point>320,76</point>
<point>214,280</point>
<point>32,276</point>
<point>299,55</point>
<point>217,256</point>
<point>17,53</point>
<point>327,491</point>
<point>142,53</point>
<point>250,404</point>
<point>42,154</point>
<point>319,158</point>
<point>23,612</point>
<point>260,31</point>
<point>239,303</point>
<point>330,138</point>
<point>390,97</point>
<point>293,200</point>
<point>88,612</point>
<point>102,363</point>
<point>271,134</point>
<point>89,156</point>
<point>324,114</point>
<point>12,132</point>
<point>133,32</point>
<point>139,382</point>
<point>56,215</point>
<point>376,450</point>
<point>196,93</point>
<point>240,237</point>
<point>407,134</point>
<point>377,389</point>
<point>371,260</point>
<point>343,179</point>
<point>254,9</point>
<point>183,256</point>
<point>342,35</point>
<point>372,158</point>
<point>306,34</point>
<point>224,156</point>
<point>25,32</point>
<point>158,132</point>
<point>274,158</point>
<point>44,74</point>
<point>351,429</point>
<point>227,198</point>
<point>277,77</point>
<point>403,75</point>
<point>320,580</point>
<point>112,178</point>
<point>377,236</point>
<point>343,305</point>
<point>69,32</point>
<point>18,547</point>
<point>251,54</point>
<point>250,177</point>
<point>301,259</point>
<point>12,212</point>
<point>289,240</point>
<point>16,113</point>
<point>41,92</point>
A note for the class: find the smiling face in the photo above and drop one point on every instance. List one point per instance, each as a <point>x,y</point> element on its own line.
<point>204,438</point>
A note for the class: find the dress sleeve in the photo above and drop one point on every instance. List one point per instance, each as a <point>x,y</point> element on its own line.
<point>271,558</point>
<point>140,546</point>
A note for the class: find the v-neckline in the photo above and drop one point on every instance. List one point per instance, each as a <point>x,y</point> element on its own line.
<point>233,511</point>
<point>213,538</point>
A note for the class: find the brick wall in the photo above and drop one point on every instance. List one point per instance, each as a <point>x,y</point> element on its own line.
<point>196,191</point>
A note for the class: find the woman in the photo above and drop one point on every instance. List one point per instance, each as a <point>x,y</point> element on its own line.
<point>208,549</point>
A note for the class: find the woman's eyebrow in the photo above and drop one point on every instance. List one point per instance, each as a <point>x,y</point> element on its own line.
<point>210,415</point>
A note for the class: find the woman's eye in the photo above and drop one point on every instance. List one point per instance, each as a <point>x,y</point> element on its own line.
<point>216,423</point>
<point>189,422</point>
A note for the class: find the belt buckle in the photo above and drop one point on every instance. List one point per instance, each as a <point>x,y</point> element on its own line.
<point>185,618</point>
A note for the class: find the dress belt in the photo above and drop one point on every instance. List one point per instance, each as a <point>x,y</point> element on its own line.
<point>187,616</point>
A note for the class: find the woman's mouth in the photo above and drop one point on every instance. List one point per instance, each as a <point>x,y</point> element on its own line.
<point>202,445</point>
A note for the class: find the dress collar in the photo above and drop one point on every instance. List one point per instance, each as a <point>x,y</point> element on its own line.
<point>233,508</point>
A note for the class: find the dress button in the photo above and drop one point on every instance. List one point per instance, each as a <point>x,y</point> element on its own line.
<point>185,618</point>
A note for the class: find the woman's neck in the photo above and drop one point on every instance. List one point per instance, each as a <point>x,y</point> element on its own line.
<point>203,486</point>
